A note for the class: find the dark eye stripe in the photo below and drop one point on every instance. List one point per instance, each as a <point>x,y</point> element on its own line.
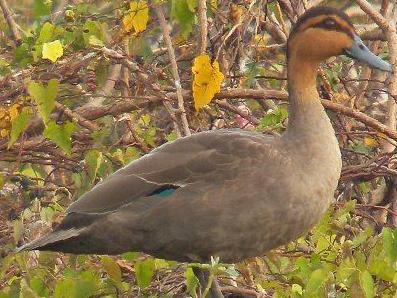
<point>334,25</point>
<point>329,24</point>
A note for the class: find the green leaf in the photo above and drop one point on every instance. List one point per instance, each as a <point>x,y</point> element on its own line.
<point>23,55</point>
<point>346,209</point>
<point>149,136</point>
<point>345,269</point>
<point>390,244</point>
<point>64,288</point>
<point>2,181</point>
<point>131,153</point>
<point>93,159</point>
<point>18,228</point>
<point>4,67</point>
<point>303,268</point>
<point>161,264</point>
<point>183,13</point>
<point>144,272</point>
<point>367,284</point>
<point>46,33</point>
<point>192,4</point>
<point>130,256</point>
<point>61,135</point>
<point>112,269</point>
<point>31,171</point>
<point>171,136</point>
<point>191,282</point>
<point>297,289</point>
<point>38,286</point>
<point>19,125</point>
<point>47,214</point>
<point>37,52</point>
<point>362,237</point>
<point>364,187</point>
<point>274,118</point>
<point>316,283</point>
<point>26,291</point>
<point>381,269</point>
<point>359,147</point>
<point>52,50</point>
<point>95,41</point>
<point>77,285</point>
<point>92,28</point>
<point>44,96</point>
<point>117,157</point>
<point>41,8</point>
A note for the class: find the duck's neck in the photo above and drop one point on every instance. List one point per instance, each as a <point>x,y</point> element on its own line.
<point>306,113</point>
<point>310,138</point>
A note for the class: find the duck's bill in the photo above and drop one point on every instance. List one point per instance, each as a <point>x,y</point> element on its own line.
<point>360,52</point>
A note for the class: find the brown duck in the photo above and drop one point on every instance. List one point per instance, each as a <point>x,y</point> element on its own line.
<point>231,194</point>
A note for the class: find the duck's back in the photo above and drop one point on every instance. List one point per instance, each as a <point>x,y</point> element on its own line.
<point>210,157</point>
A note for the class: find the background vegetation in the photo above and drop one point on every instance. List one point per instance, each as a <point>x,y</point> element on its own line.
<point>87,86</point>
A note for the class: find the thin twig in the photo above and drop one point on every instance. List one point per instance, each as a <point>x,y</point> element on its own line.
<point>391,122</point>
<point>241,291</point>
<point>376,16</point>
<point>391,36</point>
<point>237,111</point>
<point>373,35</point>
<point>113,77</point>
<point>234,28</point>
<point>11,22</point>
<point>370,206</point>
<point>202,17</point>
<point>76,117</point>
<point>282,95</point>
<point>174,67</point>
<point>92,113</point>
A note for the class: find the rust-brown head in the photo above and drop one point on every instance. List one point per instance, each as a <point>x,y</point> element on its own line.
<point>323,32</point>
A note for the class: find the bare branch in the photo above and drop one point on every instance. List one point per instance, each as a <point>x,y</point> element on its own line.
<point>10,21</point>
<point>282,95</point>
<point>76,117</point>
<point>113,77</point>
<point>382,22</point>
<point>174,67</point>
<point>202,16</point>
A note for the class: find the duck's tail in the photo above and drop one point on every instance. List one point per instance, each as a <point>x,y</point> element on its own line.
<point>77,234</point>
<point>53,241</point>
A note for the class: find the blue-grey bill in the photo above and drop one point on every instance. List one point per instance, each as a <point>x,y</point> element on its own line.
<point>360,52</point>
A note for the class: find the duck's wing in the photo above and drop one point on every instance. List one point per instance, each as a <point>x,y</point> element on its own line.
<point>214,155</point>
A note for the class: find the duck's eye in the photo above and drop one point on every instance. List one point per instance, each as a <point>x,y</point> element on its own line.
<point>330,23</point>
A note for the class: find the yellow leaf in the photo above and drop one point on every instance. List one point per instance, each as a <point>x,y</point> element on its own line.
<point>207,80</point>
<point>95,41</point>
<point>4,133</point>
<point>3,112</point>
<point>214,4</point>
<point>4,123</point>
<point>13,111</point>
<point>370,142</point>
<point>138,16</point>
<point>52,50</point>
<point>261,40</point>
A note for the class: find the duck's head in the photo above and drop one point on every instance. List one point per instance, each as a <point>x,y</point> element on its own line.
<point>323,32</point>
